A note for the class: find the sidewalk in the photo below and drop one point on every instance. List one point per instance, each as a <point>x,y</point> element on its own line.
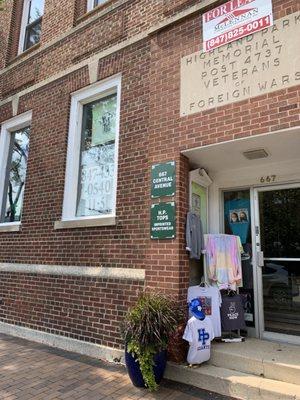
<point>33,371</point>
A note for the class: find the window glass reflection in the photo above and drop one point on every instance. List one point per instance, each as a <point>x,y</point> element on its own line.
<point>16,175</point>
<point>36,10</point>
<point>280,223</point>
<point>281,291</point>
<point>97,162</point>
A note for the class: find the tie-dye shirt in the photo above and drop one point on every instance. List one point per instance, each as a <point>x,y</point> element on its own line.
<point>223,260</point>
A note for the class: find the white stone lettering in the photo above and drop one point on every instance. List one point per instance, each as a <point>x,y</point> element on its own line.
<point>256,64</point>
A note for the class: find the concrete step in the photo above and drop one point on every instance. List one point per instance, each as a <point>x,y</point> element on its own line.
<point>263,358</point>
<point>232,383</point>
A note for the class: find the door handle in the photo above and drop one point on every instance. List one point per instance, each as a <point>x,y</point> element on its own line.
<point>260,259</point>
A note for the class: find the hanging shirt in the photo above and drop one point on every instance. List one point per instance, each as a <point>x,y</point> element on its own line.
<point>232,313</point>
<point>199,334</point>
<point>211,300</point>
<point>223,260</point>
<point>194,236</point>
<point>237,214</point>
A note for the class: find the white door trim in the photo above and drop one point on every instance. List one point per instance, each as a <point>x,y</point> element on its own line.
<point>256,277</point>
<point>259,284</point>
<point>258,271</point>
<point>251,331</point>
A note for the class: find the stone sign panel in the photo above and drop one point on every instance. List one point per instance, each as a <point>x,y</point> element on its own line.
<point>257,64</point>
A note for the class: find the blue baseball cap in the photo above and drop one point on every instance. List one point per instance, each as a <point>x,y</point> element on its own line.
<point>195,307</point>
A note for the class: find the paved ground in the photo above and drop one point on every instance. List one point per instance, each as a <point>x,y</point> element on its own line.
<point>32,371</point>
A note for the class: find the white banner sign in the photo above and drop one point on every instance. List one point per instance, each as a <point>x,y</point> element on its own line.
<point>234,20</point>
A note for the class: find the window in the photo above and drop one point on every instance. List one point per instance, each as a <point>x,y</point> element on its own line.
<point>91,172</point>
<point>31,24</point>
<point>14,148</point>
<point>94,3</point>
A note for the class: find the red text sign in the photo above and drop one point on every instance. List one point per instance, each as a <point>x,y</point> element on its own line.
<point>234,20</point>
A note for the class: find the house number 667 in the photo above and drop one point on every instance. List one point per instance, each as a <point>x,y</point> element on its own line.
<point>268,179</point>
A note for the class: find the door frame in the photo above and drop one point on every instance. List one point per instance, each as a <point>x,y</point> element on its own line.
<point>258,282</point>
<point>251,331</point>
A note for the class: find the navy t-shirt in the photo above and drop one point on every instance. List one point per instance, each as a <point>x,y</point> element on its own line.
<point>232,313</point>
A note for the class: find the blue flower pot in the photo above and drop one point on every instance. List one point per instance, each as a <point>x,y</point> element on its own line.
<point>134,372</point>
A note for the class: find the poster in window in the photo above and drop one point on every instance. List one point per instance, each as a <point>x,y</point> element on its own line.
<point>104,121</point>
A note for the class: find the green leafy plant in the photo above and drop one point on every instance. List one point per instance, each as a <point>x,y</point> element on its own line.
<point>147,328</point>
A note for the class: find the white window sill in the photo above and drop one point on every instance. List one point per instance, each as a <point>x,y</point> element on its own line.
<point>85,223</point>
<point>10,227</point>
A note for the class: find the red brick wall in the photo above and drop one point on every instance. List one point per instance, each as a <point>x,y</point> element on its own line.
<point>80,9</point>
<point>120,23</point>
<point>7,30</point>
<point>151,131</point>
<point>58,18</point>
<point>37,242</point>
<point>87,309</point>
<point>123,245</point>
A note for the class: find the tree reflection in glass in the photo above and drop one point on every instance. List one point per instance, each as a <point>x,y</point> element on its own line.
<point>16,175</point>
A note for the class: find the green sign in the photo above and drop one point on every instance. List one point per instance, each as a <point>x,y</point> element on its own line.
<point>163,224</point>
<point>163,179</point>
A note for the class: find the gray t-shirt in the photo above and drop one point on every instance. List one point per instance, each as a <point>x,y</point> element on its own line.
<point>194,236</point>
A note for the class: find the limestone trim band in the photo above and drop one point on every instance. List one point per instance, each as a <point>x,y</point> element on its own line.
<point>95,272</point>
<point>65,343</point>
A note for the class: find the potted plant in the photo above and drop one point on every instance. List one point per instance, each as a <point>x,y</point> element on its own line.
<point>146,330</point>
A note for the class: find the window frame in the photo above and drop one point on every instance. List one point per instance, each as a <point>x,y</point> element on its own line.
<point>79,98</point>
<point>7,128</point>
<point>24,25</point>
<point>91,5</point>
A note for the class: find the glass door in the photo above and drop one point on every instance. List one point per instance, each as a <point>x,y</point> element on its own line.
<point>277,229</point>
<point>237,221</point>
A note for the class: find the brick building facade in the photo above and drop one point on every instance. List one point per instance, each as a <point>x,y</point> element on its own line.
<point>76,278</point>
